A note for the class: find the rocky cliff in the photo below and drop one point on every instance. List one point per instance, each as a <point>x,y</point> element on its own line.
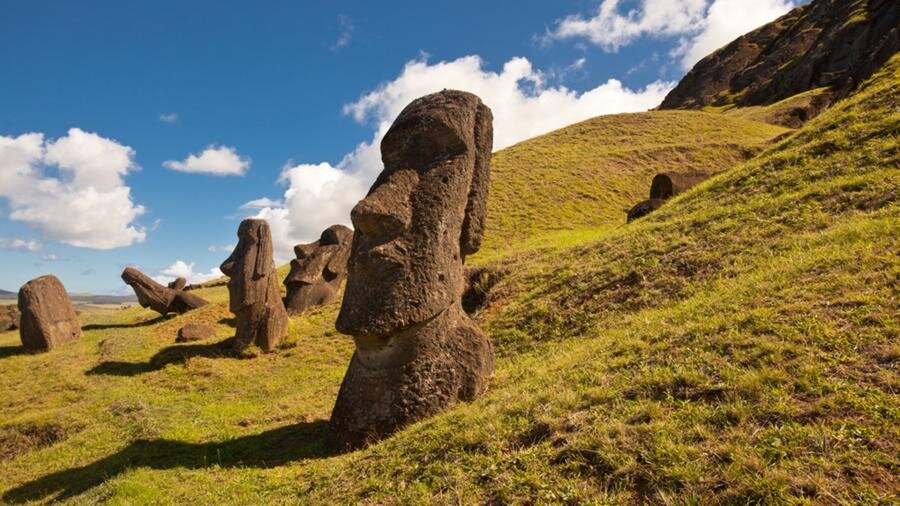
<point>829,44</point>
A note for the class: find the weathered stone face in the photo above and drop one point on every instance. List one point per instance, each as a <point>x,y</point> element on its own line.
<point>317,272</point>
<point>157,297</point>
<point>254,293</point>
<point>48,319</point>
<point>416,350</point>
<point>424,213</point>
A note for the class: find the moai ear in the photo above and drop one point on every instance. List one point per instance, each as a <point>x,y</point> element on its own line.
<point>476,207</point>
<point>263,251</point>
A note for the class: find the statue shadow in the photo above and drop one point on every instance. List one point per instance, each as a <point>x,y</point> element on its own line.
<point>175,354</point>
<point>268,449</point>
<point>11,351</point>
<point>145,323</point>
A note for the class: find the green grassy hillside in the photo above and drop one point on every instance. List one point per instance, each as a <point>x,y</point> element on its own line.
<point>738,346</point>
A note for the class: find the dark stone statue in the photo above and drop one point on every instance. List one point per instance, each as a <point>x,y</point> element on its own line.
<point>417,352</point>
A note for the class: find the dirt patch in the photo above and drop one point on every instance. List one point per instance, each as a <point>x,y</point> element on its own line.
<point>18,439</point>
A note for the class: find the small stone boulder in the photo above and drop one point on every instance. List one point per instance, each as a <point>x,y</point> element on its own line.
<point>644,208</point>
<point>195,332</point>
<point>48,319</point>
<point>9,317</point>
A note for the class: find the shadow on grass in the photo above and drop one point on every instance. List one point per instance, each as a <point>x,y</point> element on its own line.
<point>272,448</point>
<point>145,323</point>
<point>11,351</point>
<point>168,355</point>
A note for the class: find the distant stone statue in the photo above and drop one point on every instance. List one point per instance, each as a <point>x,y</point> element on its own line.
<point>255,294</point>
<point>664,186</point>
<point>416,350</point>
<point>178,284</point>
<point>157,297</point>
<point>317,272</point>
<point>47,317</point>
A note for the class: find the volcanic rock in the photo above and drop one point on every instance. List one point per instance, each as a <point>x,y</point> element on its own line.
<point>644,208</point>
<point>48,319</point>
<point>319,269</point>
<point>417,352</point>
<point>832,44</point>
<point>254,293</point>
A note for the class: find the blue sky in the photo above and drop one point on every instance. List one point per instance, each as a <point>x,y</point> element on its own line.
<point>291,99</point>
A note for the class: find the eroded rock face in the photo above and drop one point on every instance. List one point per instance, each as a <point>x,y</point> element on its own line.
<point>317,272</point>
<point>48,319</point>
<point>417,352</point>
<point>253,288</point>
<point>836,44</point>
<point>162,299</point>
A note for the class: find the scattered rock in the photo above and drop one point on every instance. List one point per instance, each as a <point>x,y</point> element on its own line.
<point>254,294</point>
<point>178,284</point>
<point>157,297</point>
<point>48,319</point>
<point>644,208</point>
<point>318,271</point>
<point>417,352</point>
<point>195,332</point>
<point>9,317</point>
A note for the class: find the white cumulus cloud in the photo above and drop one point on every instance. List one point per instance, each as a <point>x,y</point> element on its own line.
<point>16,244</point>
<point>86,204</point>
<point>169,117</point>
<point>215,160</point>
<point>523,104</point>
<point>182,269</point>
<point>702,25</point>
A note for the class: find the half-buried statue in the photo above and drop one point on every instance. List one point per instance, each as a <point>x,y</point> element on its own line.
<point>318,271</point>
<point>416,350</point>
<point>253,288</point>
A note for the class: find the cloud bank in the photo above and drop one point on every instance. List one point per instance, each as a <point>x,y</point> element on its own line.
<point>524,105</point>
<point>86,202</point>
<point>702,25</point>
<point>182,269</point>
<point>16,244</point>
<point>215,160</point>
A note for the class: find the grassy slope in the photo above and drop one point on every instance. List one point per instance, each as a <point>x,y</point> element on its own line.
<point>737,345</point>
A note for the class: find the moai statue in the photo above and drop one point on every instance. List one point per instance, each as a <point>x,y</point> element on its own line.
<point>48,319</point>
<point>157,297</point>
<point>317,272</point>
<point>178,284</point>
<point>417,352</point>
<point>255,295</point>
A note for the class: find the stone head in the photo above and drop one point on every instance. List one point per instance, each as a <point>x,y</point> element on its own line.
<point>322,261</point>
<point>422,216</point>
<point>250,264</point>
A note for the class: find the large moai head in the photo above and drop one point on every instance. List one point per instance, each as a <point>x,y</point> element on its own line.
<point>250,264</point>
<point>317,272</point>
<point>416,350</point>
<point>422,216</point>
<point>254,292</point>
<point>48,319</point>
